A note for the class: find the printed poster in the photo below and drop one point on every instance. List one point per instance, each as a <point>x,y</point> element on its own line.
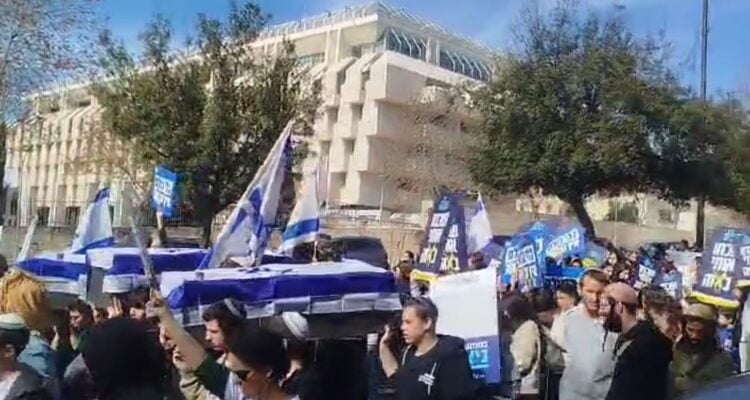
<point>475,290</point>
<point>725,265</point>
<point>444,247</point>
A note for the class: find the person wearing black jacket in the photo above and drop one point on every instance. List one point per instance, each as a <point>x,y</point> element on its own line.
<point>642,352</point>
<point>432,367</point>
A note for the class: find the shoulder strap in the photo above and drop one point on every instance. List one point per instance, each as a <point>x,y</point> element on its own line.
<point>403,356</point>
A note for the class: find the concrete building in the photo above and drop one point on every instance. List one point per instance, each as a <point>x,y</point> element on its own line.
<point>371,60</point>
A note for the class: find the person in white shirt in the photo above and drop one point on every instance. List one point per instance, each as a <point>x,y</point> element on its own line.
<point>589,365</point>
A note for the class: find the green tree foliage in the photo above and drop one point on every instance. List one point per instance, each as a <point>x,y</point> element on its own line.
<point>213,113</point>
<point>584,107</point>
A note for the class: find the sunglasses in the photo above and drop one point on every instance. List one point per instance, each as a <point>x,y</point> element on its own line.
<point>243,374</point>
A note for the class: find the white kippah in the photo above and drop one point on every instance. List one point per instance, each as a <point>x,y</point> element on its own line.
<point>297,324</point>
<point>12,322</point>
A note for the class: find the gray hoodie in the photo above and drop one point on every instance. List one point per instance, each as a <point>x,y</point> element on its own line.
<point>590,363</point>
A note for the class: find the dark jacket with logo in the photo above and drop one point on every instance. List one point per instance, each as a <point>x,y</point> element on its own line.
<point>642,368</point>
<point>443,373</point>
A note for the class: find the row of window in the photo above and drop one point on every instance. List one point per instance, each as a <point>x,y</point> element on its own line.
<point>416,47</point>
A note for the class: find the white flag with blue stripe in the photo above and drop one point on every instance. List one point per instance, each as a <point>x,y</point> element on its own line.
<point>480,231</point>
<point>247,230</point>
<point>304,223</point>
<point>95,228</point>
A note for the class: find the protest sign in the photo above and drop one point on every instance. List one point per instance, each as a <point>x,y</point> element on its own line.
<point>646,273</point>
<point>555,275</point>
<point>672,283</point>
<point>164,196</point>
<point>444,244</point>
<point>685,262</point>
<point>522,264</point>
<point>725,265</point>
<point>474,290</point>
<point>593,255</point>
<point>566,242</point>
<point>493,254</point>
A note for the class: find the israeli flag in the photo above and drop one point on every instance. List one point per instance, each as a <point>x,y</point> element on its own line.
<point>95,228</point>
<point>304,223</point>
<point>480,231</point>
<point>247,230</point>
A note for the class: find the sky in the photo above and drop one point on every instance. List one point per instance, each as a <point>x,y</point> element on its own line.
<point>490,21</point>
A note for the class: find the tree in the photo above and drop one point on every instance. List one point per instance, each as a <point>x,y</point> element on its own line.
<point>432,153</point>
<point>586,108</point>
<point>42,41</point>
<point>212,113</point>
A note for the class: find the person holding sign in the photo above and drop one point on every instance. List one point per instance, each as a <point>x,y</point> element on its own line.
<point>434,367</point>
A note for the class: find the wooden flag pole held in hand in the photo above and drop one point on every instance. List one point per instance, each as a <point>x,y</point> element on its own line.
<point>148,265</point>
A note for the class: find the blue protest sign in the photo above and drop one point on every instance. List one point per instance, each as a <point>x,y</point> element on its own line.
<point>444,247</point>
<point>672,283</point>
<point>646,274</point>
<point>593,255</point>
<point>522,264</point>
<point>493,254</point>
<point>566,242</point>
<point>726,264</point>
<point>554,275</point>
<point>164,196</point>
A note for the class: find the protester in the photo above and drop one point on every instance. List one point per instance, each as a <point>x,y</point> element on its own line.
<point>432,366</point>
<point>81,319</point>
<point>255,358</point>
<point>172,378</point>
<point>301,380</point>
<point>124,360</point>
<point>652,299</point>
<point>566,296</point>
<point>221,321</point>
<point>543,303</point>
<point>698,358</point>
<point>525,347</point>
<point>100,315</point>
<point>589,365</point>
<point>642,352</point>
<point>17,380</point>
<point>24,295</point>
<point>741,331</point>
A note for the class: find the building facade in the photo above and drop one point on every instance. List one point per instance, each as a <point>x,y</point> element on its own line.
<point>372,61</point>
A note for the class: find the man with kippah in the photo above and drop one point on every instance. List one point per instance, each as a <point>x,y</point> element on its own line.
<point>642,353</point>
<point>17,380</point>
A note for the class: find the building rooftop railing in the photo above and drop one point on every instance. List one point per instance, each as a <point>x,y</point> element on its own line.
<point>366,10</point>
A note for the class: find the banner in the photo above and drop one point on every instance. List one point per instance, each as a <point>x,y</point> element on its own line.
<point>646,274</point>
<point>478,328</point>
<point>566,242</point>
<point>555,275</point>
<point>522,264</point>
<point>444,245</point>
<point>672,283</point>
<point>685,262</point>
<point>725,265</point>
<point>593,255</point>
<point>493,254</point>
<point>164,196</point>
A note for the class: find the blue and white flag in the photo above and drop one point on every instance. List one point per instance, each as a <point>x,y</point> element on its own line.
<point>64,273</point>
<point>95,228</point>
<point>480,231</point>
<point>304,223</point>
<point>247,230</point>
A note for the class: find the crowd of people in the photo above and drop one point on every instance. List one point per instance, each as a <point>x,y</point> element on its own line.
<point>596,338</point>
